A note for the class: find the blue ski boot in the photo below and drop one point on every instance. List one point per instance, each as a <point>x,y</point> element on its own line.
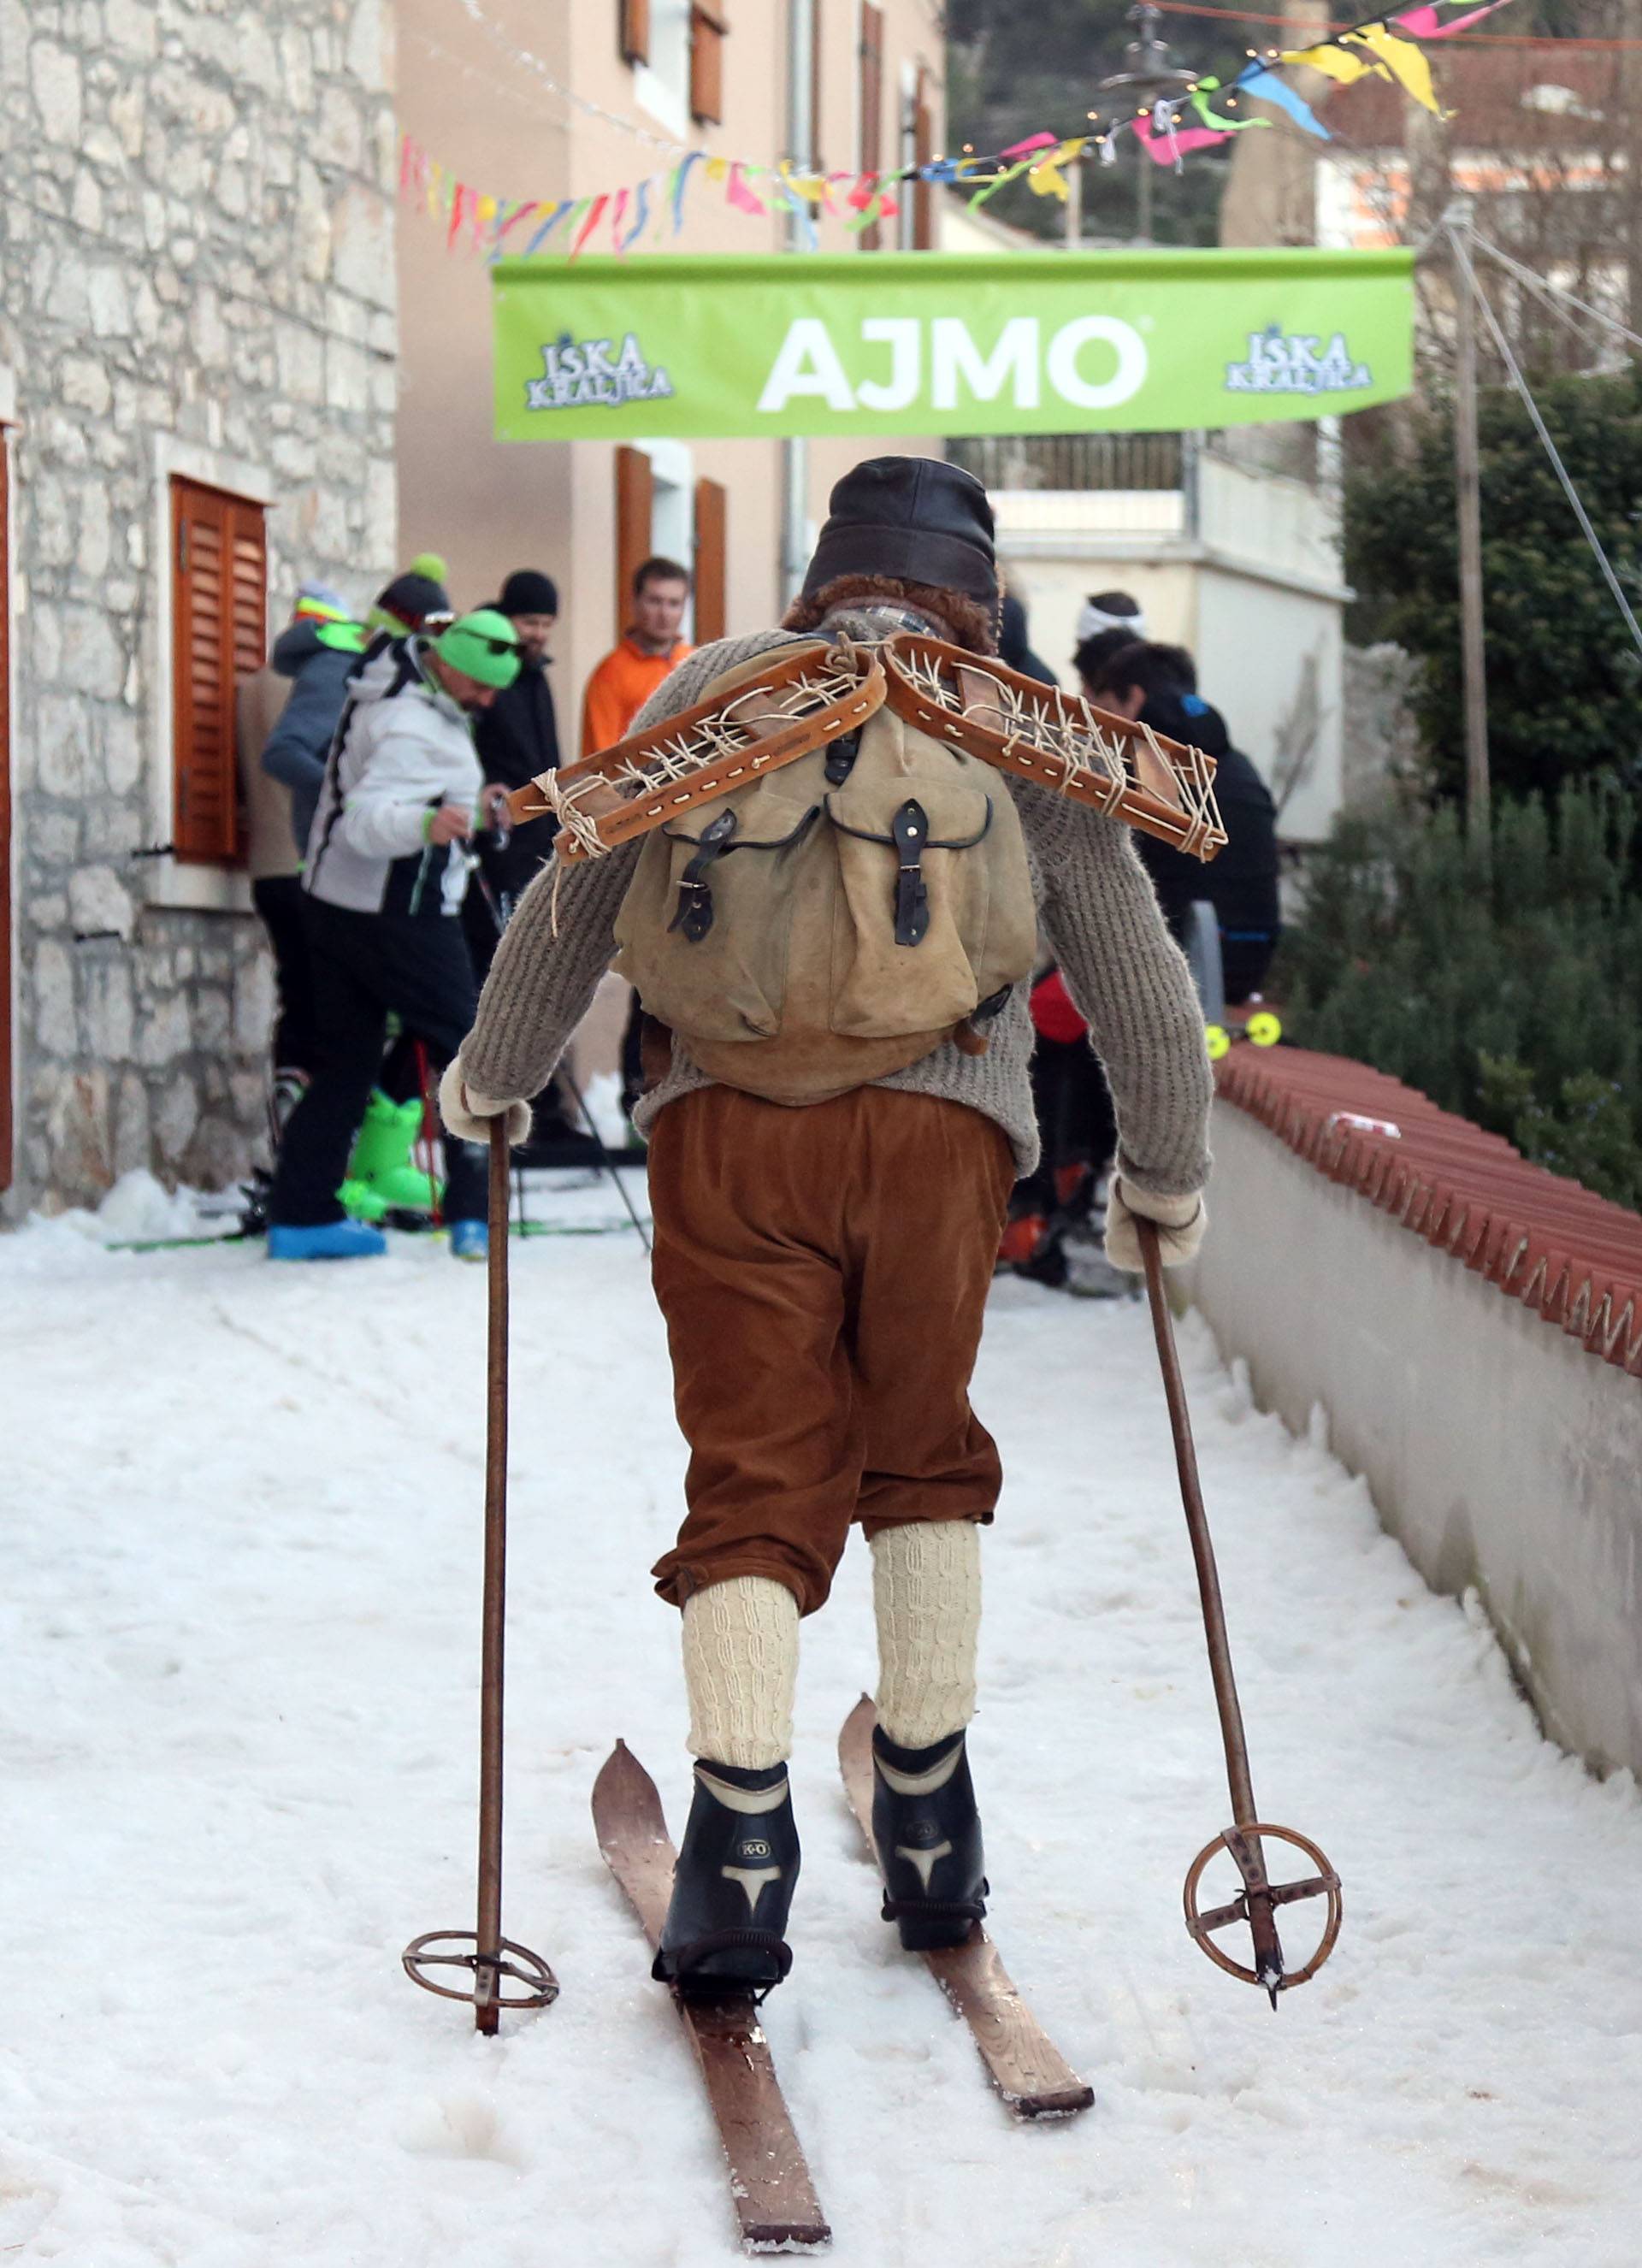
<point>330,1240</point>
<point>733,1886</point>
<point>927,1833</point>
<point>470,1240</point>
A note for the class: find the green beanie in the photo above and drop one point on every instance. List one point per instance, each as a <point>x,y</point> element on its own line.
<point>484,647</point>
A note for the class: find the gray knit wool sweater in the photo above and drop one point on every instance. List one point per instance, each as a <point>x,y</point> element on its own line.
<point>1127,977</point>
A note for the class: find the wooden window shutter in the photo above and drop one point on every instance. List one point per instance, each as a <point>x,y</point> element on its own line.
<point>6,819</point>
<point>220,634</point>
<point>708,26</point>
<point>635,506</point>
<point>635,30</point>
<point>871,159</point>
<point>924,222</point>
<point>712,501</point>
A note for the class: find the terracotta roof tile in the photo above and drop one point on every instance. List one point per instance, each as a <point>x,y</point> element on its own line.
<point>1573,1257</point>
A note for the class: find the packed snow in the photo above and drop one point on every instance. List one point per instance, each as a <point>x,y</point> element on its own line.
<point>238,1727</point>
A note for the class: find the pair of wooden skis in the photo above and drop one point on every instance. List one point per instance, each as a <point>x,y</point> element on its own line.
<point>775,2198</point>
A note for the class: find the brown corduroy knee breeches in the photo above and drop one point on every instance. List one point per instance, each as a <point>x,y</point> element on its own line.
<point>823,1273</point>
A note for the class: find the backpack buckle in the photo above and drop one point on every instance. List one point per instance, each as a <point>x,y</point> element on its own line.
<point>694,913</point>
<point>910,828</point>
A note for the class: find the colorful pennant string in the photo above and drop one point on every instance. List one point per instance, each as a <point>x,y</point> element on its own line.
<point>1384,47</point>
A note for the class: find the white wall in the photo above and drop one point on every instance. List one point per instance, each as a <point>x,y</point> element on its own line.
<point>1502,1455</point>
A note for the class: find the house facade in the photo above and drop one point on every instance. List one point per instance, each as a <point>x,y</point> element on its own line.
<point>520,101</point>
<point>197,393</point>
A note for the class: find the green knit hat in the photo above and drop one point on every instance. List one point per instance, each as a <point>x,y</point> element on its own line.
<point>484,647</point>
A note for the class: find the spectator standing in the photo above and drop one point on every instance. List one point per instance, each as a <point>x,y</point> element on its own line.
<point>318,652</point>
<point>386,875</point>
<point>650,649</point>
<point>1158,684</point>
<point>274,853</point>
<point>518,739</point>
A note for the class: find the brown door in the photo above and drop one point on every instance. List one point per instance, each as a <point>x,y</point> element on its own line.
<point>635,507</point>
<point>711,533</point>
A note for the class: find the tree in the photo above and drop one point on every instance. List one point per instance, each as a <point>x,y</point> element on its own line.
<point>1012,73</point>
<point>1565,679</point>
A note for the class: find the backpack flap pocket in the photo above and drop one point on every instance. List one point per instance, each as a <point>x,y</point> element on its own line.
<point>704,929</point>
<point>910,928</point>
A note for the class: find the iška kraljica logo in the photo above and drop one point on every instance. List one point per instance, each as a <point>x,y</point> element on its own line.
<point>580,375</point>
<point>1279,363</point>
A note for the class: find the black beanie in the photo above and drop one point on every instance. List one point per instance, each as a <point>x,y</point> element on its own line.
<point>915,519</point>
<point>526,592</point>
<point>412,598</point>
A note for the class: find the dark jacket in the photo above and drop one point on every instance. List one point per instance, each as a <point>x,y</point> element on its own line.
<point>517,737</point>
<point>1241,884</point>
<point>295,749</point>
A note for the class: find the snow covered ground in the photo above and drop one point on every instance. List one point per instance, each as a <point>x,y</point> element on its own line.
<point>237,1726</point>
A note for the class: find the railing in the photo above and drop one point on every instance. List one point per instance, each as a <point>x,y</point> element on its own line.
<point>1071,461</point>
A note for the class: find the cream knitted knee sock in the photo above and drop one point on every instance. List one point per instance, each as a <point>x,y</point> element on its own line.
<point>926,1593</point>
<point>740,1669</point>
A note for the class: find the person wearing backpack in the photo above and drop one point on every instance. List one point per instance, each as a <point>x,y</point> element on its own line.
<point>836,961</point>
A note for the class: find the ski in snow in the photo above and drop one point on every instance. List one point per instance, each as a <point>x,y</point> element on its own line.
<point>775,2198</point>
<point>1022,2062</point>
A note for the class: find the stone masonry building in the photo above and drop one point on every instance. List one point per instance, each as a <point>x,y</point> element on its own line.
<point>197,391</point>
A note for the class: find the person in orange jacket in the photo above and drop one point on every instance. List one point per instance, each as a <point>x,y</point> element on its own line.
<point>650,649</point>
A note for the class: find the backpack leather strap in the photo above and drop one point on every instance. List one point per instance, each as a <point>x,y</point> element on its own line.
<point>750,724</point>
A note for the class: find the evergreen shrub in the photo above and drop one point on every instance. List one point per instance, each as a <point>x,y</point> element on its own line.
<point>1512,994</point>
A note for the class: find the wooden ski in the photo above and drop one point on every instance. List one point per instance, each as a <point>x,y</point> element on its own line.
<point>1022,2062</point>
<point>775,2199</point>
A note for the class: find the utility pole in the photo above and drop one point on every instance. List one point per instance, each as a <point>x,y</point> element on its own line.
<point>1467,478</point>
<point>795,455</point>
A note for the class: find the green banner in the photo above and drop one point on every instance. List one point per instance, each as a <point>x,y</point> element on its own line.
<point>736,343</point>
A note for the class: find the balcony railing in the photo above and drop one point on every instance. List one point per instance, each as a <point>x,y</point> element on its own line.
<point>1067,461</point>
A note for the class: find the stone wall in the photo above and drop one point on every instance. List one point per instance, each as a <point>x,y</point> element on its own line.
<point>197,277</point>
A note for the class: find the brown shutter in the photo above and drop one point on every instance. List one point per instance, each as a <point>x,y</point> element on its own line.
<point>871,159</point>
<point>708,27</point>
<point>923,151</point>
<point>635,30</point>
<point>220,634</point>
<point>711,533</point>
<point>635,505</point>
<point>5,817</point>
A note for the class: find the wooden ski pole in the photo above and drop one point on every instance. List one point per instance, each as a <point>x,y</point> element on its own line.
<point>494,1957</point>
<point>1257,1903</point>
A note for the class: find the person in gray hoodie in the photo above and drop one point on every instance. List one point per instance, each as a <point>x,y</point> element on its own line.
<point>387,867</point>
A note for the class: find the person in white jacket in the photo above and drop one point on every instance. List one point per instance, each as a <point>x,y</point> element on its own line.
<point>386,870</point>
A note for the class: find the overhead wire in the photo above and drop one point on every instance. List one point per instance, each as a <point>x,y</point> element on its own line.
<point>1502,344</point>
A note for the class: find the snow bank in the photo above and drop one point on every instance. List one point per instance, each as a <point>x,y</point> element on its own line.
<point>237,1730</point>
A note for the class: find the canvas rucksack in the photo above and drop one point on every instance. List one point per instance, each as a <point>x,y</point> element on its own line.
<point>835,919</point>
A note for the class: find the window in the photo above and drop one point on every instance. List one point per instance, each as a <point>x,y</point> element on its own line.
<point>219,634</point>
<point>5,812</point>
<point>711,553</point>
<point>657,509</point>
<point>661,61</point>
<point>871,159</point>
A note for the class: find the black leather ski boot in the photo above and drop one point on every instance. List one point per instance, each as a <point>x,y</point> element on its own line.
<point>733,1886</point>
<point>927,1833</point>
